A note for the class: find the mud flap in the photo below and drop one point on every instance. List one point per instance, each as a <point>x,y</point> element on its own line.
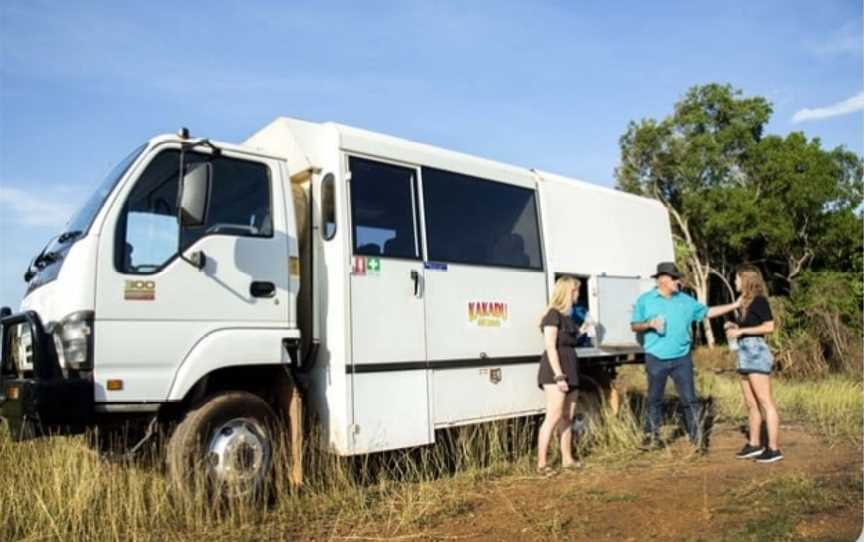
<point>289,401</point>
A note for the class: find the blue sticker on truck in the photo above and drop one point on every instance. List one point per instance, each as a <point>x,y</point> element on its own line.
<point>435,266</point>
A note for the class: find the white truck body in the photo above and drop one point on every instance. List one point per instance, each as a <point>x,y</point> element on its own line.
<point>394,367</point>
<point>411,339</point>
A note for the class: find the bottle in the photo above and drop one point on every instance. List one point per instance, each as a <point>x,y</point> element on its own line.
<point>662,320</point>
<point>590,329</point>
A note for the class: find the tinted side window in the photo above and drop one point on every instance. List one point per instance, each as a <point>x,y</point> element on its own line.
<point>383,210</point>
<point>147,232</point>
<point>328,207</point>
<point>240,202</point>
<point>147,229</point>
<point>477,221</point>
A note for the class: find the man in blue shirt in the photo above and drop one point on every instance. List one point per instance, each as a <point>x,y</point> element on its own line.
<point>665,316</point>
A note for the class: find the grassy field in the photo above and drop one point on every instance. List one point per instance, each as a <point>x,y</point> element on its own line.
<point>61,489</point>
<point>832,406</point>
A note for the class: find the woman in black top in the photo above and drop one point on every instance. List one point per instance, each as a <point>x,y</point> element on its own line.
<point>557,375</point>
<point>755,363</point>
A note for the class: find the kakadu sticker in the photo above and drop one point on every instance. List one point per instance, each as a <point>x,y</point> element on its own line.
<point>488,314</point>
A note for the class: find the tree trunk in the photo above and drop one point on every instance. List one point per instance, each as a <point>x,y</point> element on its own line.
<point>698,271</point>
<point>700,274</point>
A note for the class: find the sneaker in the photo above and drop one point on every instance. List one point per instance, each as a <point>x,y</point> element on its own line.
<point>769,456</point>
<point>748,452</point>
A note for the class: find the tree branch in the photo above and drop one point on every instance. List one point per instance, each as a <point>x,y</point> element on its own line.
<point>796,266</point>
<point>728,287</point>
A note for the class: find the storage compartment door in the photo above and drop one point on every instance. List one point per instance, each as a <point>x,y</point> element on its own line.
<point>616,298</point>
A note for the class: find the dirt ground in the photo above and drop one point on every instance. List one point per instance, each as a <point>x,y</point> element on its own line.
<point>674,494</point>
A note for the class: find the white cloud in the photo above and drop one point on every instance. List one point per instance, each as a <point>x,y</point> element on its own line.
<point>24,208</point>
<point>850,105</point>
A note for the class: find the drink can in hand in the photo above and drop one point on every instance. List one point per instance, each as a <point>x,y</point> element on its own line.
<point>660,318</point>
<point>733,343</point>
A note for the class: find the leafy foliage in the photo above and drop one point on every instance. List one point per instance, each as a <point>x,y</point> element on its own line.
<point>806,199</point>
<point>738,195</point>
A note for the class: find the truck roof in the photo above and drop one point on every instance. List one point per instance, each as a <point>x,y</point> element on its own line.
<point>293,133</point>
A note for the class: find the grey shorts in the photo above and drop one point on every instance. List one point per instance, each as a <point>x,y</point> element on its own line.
<point>754,356</point>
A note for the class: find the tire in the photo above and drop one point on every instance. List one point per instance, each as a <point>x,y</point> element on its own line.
<point>225,447</point>
<point>589,409</point>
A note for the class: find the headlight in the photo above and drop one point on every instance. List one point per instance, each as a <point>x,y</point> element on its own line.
<point>22,347</point>
<point>73,339</point>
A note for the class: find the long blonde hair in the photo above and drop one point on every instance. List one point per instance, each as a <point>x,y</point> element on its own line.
<point>562,296</point>
<point>752,285</point>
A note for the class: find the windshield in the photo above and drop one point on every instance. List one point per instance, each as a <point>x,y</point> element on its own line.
<point>82,219</point>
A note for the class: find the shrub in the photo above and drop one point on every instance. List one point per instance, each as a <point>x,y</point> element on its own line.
<point>819,327</point>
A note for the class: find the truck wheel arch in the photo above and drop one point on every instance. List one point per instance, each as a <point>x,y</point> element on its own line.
<point>234,349</point>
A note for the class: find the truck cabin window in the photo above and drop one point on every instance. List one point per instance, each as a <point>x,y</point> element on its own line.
<point>383,210</point>
<point>480,222</point>
<point>147,232</point>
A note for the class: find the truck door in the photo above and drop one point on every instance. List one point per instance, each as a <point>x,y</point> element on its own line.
<point>388,362</point>
<point>616,298</point>
<point>152,307</point>
<point>486,289</point>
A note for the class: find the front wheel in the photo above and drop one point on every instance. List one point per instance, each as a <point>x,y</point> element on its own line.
<point>224,446</point>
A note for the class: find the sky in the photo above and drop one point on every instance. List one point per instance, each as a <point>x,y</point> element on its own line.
<point>548,85</point>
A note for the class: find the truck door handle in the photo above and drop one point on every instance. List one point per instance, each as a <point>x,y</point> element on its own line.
<point>415,276</point>
<point>262,289</point>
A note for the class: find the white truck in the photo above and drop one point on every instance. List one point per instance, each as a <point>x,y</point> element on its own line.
<point>399,285</point>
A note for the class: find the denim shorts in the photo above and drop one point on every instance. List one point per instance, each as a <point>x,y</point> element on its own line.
<point>754,356</point>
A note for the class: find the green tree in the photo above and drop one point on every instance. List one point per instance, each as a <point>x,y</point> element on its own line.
<point>809,203</point>
<point>693,162</point>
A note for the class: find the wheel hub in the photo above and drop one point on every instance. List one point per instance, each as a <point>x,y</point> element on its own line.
<point>238,455</point>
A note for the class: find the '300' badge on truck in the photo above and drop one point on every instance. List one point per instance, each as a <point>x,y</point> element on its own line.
<point>140,290</point>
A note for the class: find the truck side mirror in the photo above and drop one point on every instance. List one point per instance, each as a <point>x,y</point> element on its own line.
<point>195,195</point>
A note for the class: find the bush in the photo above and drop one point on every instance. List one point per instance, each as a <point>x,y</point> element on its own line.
<point>819,327</point>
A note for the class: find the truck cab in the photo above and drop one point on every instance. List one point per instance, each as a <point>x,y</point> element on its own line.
<point>161,285</point>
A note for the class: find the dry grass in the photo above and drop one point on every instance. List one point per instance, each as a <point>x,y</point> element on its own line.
<point>832,406</point>
<point>61,489</point>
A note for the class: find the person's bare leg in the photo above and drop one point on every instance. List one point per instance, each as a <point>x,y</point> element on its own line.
<point>761,385</point>
<point>554,409</point>
<point>566,427</point>
<point>754,415</point>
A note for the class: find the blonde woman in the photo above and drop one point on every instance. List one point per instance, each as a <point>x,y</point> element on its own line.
<point>557,375</point>
<point>755,363</point>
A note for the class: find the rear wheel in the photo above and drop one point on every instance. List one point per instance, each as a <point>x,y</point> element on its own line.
<point>588,415</point>
<point>225,446</point>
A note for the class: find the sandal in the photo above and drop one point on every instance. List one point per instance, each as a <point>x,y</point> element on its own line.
<point>576,465</point>
<point>546,472</point>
